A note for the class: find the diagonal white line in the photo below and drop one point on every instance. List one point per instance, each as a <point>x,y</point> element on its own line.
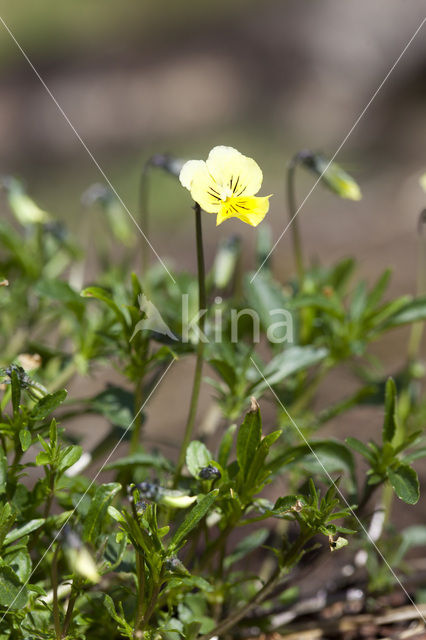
<point>78,136</point>
<point>341,494</point>
<point>351,130</point>
<point>87,490</point>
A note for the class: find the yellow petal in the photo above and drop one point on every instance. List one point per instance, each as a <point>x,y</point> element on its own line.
<point>188,171</point>
<point>195,176</point>
<point>232,170</point>
<point>251,210</point>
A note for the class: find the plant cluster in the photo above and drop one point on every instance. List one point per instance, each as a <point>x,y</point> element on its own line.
<point>201,545</point>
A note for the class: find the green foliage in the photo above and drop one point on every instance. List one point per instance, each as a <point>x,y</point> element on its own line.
<point>149,550</point>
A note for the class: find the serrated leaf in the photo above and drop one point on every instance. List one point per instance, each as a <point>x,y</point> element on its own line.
<point>193,518</point>
<point>13,594</point>
<point>405,483</point>
<point>197,457</point>
<point>98,509</point>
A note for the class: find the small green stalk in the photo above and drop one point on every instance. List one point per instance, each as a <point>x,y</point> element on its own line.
<point>56,617</point>
<point>417,328</point>
<point>202,304</point>
<point>143,214</point>
<point>292,214</point>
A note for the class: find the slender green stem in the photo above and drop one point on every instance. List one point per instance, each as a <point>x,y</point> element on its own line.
<point>293,220</point>
<point>202,304</point>
<point>70,609</point>
<point>418,327</point>
<point>143,214</point>
<point>56,617</point>
<point>140,571</point>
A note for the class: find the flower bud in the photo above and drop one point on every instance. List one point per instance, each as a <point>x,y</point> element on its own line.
<point>25,210</point>
<point>331,174</point>
<point>209,472</point>
<point>177,501</point>
<point>79,559</point>
<point>226,261</point>
<point>168,163</point>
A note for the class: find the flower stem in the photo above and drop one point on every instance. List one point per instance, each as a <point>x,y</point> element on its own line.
<point>143,214</point>
<point>292,214</point>
<point>417,328</point>
<point>202,304</point>
<point>56,617</point>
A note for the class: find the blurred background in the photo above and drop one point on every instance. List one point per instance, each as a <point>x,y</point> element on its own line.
<point>269,78</point>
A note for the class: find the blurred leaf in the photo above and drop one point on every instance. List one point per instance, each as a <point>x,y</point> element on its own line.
<point>288,363</point>
<point>226,445</point>
<point>95,517</point>
<point>412,311</point>
<point>116,405</point>
<point>405,483</point>
<point>246,546</point>
<point>197,457</point>
<point>140,459</point>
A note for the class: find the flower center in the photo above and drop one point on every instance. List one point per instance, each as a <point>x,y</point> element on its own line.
<point>225,193</point>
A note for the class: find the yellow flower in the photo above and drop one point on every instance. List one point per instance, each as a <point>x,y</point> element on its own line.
<point>226,184</point>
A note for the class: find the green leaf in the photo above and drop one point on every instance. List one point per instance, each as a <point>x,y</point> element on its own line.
<point>226,445</point>
<point>13,594</point>
<point>412,311</point>
<point>58,290</point>
<point>248,439</point>
<point>389,424</point>
<point>361,448</point>
<point>319,457</point>
<point>193,518</point>
<point>405,483</point>
<point>27,528</point>
<point>69,456</point>
<point>115,404</point>
<point>104,296</point>
<point>246,546</point>
<point>197,457</point>
<point>25,439</point>
<point>96,515</point>
<point>288,363</point>
<point>47,404</point>
<point>140,459</point>
<point>258,473</point>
